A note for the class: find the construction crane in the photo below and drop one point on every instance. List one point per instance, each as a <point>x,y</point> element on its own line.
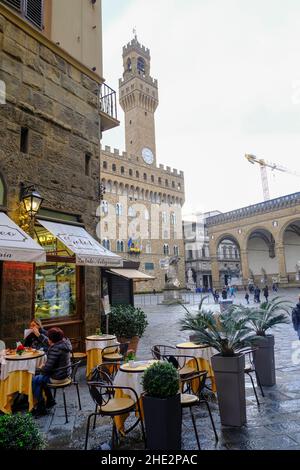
<point>264,175</point>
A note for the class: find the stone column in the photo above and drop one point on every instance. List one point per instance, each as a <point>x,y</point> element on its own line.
<point>215,272</point>
<point>283,279</point>
<point>245,266</point>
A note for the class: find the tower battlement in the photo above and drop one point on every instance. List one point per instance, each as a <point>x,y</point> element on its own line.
<point>124,156</point>
<point>134,45</point>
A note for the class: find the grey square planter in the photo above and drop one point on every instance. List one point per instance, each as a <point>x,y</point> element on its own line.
<point>163,418</point>
<point>264,360</point>
<point>230,380</point>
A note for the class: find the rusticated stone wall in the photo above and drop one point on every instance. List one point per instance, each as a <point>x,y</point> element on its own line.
<point>58,104</point>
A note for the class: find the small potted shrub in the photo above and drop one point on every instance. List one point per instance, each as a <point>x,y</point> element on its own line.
<point>128,324</point>
<point>262,319</point>
<point>20,432</point>
<point>162,407</point>
<point>228,333</point>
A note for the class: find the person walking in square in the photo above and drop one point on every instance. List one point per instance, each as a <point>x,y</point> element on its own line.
<point>296,318</point>
<point>247,297</point>
<point>266,293</point>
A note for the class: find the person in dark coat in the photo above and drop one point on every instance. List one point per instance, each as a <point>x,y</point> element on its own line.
<point>216,296</point>
<point>266,293</point>
<point>247,297</point>
<point>257,294</point>
<point>224,293</point>
<point>38,338</point>
<point>296,318</point>
<point>58,356</point>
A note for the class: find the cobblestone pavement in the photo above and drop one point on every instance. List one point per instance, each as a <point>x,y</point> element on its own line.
<point>275,425</point>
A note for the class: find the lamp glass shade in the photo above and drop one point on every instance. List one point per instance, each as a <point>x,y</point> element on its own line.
<point>32,202</point>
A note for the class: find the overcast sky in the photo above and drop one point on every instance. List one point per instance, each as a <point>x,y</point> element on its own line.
<point>229,84</point>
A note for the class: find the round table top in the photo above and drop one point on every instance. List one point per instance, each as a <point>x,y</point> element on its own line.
<point>140,366</point>
<point>100,338</point>
<point>190,345</point>
<point>34,354</point>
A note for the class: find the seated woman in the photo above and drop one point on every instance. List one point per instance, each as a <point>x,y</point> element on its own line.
<point>38,338</point>
<point>58,356</point>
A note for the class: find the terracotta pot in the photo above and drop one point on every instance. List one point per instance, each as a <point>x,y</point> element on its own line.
<point>133,342</point>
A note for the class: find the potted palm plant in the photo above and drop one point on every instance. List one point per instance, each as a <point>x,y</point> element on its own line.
<point>128,324</point>
<point>228,333</point>
<point>261,319</point>
<point>162,407</point>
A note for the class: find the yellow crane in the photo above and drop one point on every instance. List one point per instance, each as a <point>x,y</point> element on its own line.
<point>264,175</point>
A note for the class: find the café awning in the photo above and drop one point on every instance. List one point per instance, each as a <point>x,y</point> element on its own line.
<point>132,274</point>
<point>87,250</point>
<point>16,245</point>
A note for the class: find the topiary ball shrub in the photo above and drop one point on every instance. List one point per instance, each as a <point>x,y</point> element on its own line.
<point>127,321</point>
<point>20,432</point>
<point>161,380</point>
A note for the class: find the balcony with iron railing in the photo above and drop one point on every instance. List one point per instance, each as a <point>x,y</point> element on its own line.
<point>108,108</point>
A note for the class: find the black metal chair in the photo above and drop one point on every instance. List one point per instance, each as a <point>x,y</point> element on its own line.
<point>115,354</point>
<point>103,395</point>
<point>250,369</point>
<point>192,397</point>
<point>70,380</point>
<point>179,361</point>
<point>78,350</point>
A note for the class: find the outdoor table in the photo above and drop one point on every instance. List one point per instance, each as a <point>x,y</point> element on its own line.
<point>128,376</point>
<point>203,355</point>
<point>16,376</point>
<point>94,347</point>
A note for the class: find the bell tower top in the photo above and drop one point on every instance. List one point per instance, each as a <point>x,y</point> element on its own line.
<point>139,100</point>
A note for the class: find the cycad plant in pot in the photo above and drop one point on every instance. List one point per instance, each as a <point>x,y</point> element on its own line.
<point>128,324</point>
<point>262,319</point>
<point>162,407</point>
<point>228,333</point>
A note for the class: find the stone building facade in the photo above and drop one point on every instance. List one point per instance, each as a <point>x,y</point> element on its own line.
<point>51,125</point>
<point>197,254</point>
<point>267,236</point>
<point>143,200</point>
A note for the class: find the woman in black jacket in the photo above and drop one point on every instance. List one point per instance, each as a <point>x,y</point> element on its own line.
<point>58,356</point>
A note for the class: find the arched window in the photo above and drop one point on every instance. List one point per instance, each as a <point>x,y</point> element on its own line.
<point>120,246</point>
<point>166,249</point>
<point>104,165</point>
<point>122,170</point>
<point>148,248</point>
<point>141,65</point>
<point>145,176</point>
<point>131,212</point>
<point>114,167</point>
<point>129,64</point>
<point>176,250</point>
<point>130,172</point>
<point>104,207</point>
<point>106,243</point>
<point>119,209</point>
<point>164,217</point>
<point>173,218</point>
<point>224,251</point>
<point>137,174</point>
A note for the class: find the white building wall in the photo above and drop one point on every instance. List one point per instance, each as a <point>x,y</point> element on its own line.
<point>292,251</point>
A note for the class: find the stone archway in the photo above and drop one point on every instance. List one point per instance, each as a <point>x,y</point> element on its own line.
<point>291,247</point>
<point>228,257</point>
<point>262,255</point>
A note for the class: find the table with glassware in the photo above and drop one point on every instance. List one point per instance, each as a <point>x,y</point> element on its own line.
<point>16,376</point>
<point>130,375</point>
<point>202,355</point>
<point>94,347</point>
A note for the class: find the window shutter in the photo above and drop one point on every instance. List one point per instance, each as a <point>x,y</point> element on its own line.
<point>34,12</point>
<point>16,4</point>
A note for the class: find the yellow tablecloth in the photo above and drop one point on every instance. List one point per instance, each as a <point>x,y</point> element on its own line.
<point>18,381</point>
<point>203,364</point>
<point>94,358</point>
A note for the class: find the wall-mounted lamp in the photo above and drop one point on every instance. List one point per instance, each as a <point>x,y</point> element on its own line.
<point>31,199</point>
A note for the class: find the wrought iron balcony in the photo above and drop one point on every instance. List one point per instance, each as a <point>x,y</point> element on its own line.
<point>108,107</point>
